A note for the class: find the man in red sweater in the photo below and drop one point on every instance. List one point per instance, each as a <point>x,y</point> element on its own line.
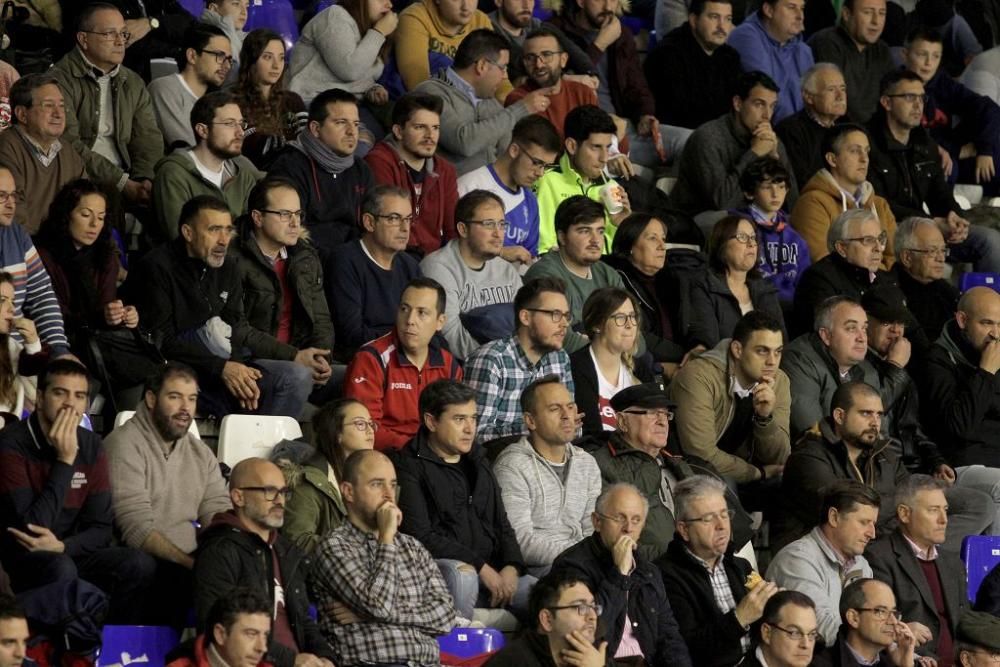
<point>388,374</point>
<point>406,158</point>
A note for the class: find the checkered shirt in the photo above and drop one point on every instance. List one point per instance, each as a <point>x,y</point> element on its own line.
<point>499,371</point>
<point>723,593</point>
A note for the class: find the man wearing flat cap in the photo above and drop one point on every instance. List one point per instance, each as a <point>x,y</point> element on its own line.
<point>636,453</point>
<point>978,640</point>
<point>734,404</point>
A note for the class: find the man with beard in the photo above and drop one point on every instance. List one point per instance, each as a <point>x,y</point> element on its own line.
<point>544,60</point>
<point>406,158</point>
<point>830,556</point>
<point>501,370</point>
<point>513,20</point>
<point>191,300</point>
<point>564,615</point>
<point>579,227</point>
<point>479,283</point>
<point>213,167</point>
<point>164,481</point>
<point>207,61</point>
<point>244,549</point>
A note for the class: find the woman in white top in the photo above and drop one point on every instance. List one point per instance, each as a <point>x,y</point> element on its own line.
<point>608,364</point>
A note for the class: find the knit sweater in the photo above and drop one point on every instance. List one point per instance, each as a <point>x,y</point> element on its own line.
<point>33,294</point>
<point>332,53</point>
<point>471,134</point>
<point>547,514</point>
<point>30,175</point>
<point>172,104</point>
<point>162,486</point>
<point>484,293</point>
<point>577,291</point>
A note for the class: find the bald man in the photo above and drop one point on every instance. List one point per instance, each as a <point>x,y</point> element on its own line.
<point>381,597</point>
<point>243,548</point>
<point>960,390</point>
<point>629,587</point>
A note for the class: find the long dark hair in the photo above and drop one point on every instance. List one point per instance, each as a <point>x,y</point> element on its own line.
<point>266,115</point>
<point>328,424</point>
<point>8,379</point>
<point>53,234</point>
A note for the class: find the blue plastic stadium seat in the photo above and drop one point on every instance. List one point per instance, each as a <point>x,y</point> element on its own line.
<point>193,7</point>
<point>973,279</point>
<point>980,553</point>
<point>470,642</point>
<point>276,15</point>
<point>143,644</point>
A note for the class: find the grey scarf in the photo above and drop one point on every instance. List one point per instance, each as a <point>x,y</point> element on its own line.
<point>328,160</point>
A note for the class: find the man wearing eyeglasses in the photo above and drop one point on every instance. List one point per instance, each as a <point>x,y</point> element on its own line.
<point>840,186</point>
<point>733,406</point>
<point>213,166</point>
<point>929,584</point>
<point>109,114</point>
<point>480,284</point>
<point>872,632</point>
<point>243,548</point>
<point>638,618</point>
<point>231,17</point>
<point>407,158</point>
<point>906,169</point>
<point>705,581</point>
<point>978,640</point>
<point>564,627</point>
<point>207,61</point>
<point>787,633</point>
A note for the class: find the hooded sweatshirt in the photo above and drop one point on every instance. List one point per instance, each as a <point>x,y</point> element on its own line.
<point>160,485</point>
<point>433,199</point>
<point>235,35</point>
<point>548,510</point>
<point>822,200</point>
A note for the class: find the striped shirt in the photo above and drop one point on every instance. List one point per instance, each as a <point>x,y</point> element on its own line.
<point>33,294</point>
<point>723,593</point>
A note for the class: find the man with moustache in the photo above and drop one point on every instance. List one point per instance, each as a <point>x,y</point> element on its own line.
<point>705,581</point>
<point>514,20</point>
<point>500,371</point>
<point>207,61</point>
<point>479,283</point>
<point>929,584</point>
<point>453,505</point>
<point>842,185</point>
<point>380,595</point>
<point>191,300</point>
<point>214,166</point>
<point>580,232</point>
<point>692,71</point>
<point>872,633</point>
<point>824,99</point>
<point>407,158</point>
<point>733,403</point>
<point>787,633</point>
<point>165,482</point>
<point>243,548</point>
<point>388,374</point>
<point>545,465</point>
<point>637,614</point>
<point>564,616</point>
<point>906,170</point>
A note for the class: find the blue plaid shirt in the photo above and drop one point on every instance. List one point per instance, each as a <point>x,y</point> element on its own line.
<point>499,371</point>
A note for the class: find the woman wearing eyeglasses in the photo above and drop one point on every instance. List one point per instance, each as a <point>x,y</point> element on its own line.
<point>607,365</point>
<point>340,428</point>
<point>730,288</point>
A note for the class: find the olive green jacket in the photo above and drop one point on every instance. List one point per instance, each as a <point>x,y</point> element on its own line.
<point>137,136</point>
<point>316,506</point>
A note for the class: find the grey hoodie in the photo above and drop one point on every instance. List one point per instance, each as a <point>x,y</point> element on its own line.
<point>547,516</point>
<point>235,36</point>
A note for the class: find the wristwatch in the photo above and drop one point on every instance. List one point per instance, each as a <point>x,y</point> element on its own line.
<point>154,23</point>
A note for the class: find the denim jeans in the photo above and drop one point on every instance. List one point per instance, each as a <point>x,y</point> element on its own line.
<point>987,480</point>
<point>642,150</point>
<point>468,593</point>
<point>981,248</point>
